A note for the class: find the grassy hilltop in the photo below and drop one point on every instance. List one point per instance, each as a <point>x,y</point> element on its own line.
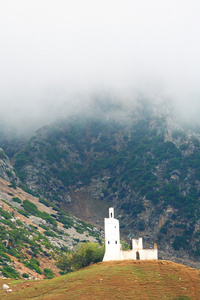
<point>114,280</point>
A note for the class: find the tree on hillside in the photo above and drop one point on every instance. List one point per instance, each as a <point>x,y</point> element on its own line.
<point>83,255</point>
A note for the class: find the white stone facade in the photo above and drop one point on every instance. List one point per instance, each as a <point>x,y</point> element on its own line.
<point>113,250</point>
<point>112,238</point>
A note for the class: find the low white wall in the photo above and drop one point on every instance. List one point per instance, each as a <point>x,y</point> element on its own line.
<point>145,254</point>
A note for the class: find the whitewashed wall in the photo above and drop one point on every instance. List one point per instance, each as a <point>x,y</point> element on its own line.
<point>113,248</point>
<point>112,240</point>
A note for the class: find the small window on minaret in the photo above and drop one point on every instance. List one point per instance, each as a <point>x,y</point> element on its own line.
<point>111,215</point>
<point>108,242</point>
<point>115,242</point>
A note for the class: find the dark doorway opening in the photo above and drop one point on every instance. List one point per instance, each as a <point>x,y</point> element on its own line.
<point>137,255</point>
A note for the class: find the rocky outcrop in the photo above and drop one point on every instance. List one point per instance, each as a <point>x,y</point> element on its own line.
<point>37,220</point>
<point>6,170</point>
<point>5,287</point>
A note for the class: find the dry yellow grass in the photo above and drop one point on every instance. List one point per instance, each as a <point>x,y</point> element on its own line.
<point>114,280</point>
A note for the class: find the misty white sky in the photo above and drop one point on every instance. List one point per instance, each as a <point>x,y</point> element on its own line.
<point>56,52</point>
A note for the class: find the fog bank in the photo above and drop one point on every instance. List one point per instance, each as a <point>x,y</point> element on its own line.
<point>57,55</point>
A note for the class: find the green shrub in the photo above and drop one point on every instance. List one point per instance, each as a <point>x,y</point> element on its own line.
<point>85,225</point>
<point>83,255</point>
<point>5,214</point>
<point>48,273</point>
<point>125,246</point>
<point>79,229</point>
<point>65,263</point>
<point>179,242</point>
<point>165,227</point>
<point>12,251</point>
<point>9,272</point>
<point>33,264</point>
<point>4,256</point>
<point>24,187</point>
<point>141,226</point>
<point>68,223</point>
<point>19,223</point>
<point>9,173</point>
<point>23,212</point>
<point>50,233</point>
<point>25,275</point>
<point>13,184</point>
<point>45,202</point>
<point>16,199</point>
<point>139,207</point>
<point>30,207</point>
<point>45,216</point>
<point>86,253</point>
<point>7,222</point>
<point>126,206</point>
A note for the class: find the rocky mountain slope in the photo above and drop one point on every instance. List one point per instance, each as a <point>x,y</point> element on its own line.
<point>146,166</point>
<point>6,170</point>
<point>34,233</point>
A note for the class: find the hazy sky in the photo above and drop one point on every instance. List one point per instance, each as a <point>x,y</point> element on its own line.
<point>55,52</point>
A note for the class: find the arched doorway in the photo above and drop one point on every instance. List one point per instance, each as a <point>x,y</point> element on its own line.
<point>137,255</point>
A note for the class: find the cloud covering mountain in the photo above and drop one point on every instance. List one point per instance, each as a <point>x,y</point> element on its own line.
<point>56,55</point>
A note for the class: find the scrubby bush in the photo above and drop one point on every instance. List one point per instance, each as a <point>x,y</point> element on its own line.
<point>16,199</point>
<point>125,246</point>
<point>79,229</point>
<point>83,255</point>
<point>33,264</point>
<point>65,263</point>
<point>48,273</point>
<point>179,242</point>
<point>32,209</point>
<point>5,214</point>
<point>45,216</point>
<point>4,258</point>
<point>13,184</point>
<point>165,227</point>
<point>25,275</point>
<point>141,226</point>
<point>87,253</point>
<point>45,202</point>
<point>19,223</point>
<point>68,223</point>
<point>23,212</point>
<point>9,272</point>
<point>50,233</point>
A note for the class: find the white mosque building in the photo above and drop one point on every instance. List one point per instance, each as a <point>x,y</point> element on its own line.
<point>113,250</point>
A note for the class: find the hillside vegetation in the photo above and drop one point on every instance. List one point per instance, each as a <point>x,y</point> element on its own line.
<point>115,280</point>
<point>35,235</point>
<point>148,169</point>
